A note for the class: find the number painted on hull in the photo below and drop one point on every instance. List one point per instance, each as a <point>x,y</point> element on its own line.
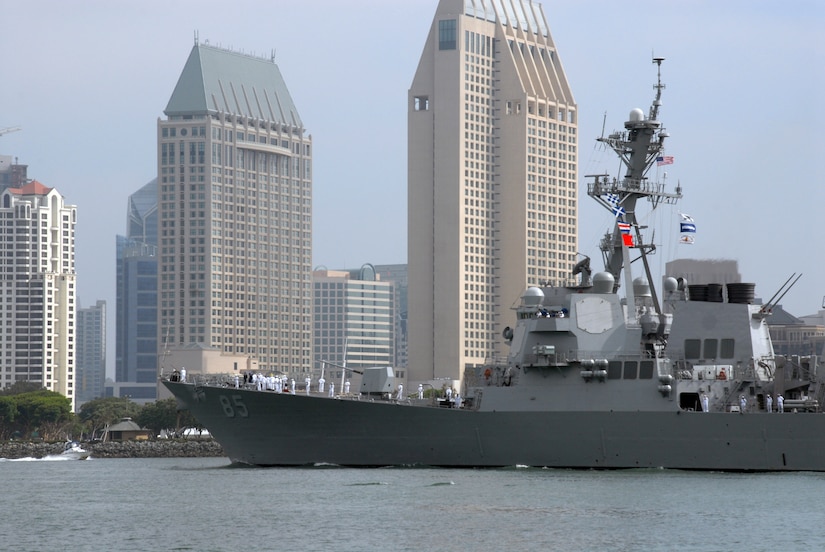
<point>234,407</point>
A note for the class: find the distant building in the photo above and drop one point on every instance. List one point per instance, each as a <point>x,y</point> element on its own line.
<point>796,336</point>
<point>704,271</point>
<point>397,274</point>
<point>492,182</point>
<point>38,288</point>
<point>235,213</point>
<point>12,174</point>
<point>353,322</point>
<point>90,357</point>
<point>136,356</point>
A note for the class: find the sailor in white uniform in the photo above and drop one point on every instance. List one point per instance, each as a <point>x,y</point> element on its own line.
<point>400,392</point>
<point>182,374</point>
<point>346,387</point>
<point>780,403</point>
<point>292,386</point>
<point>308,381</point>
<point>420,390</point>
<point>743,403</point>
<point>332,389</point>
<point>704,402</point>
<point>321,383</point>
<point>769,403</point>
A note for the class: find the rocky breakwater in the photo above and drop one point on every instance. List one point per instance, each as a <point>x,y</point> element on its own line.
<point>170,448</point>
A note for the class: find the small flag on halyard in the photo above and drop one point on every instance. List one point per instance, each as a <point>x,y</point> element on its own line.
<point>627,238</point>
<point>687,227</point>
<point>664,160</point>
<point>687,240</point>
<point>613,201</point>
<point>686,218</point>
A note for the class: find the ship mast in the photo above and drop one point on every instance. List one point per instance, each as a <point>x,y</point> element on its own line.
<point>638,147</point>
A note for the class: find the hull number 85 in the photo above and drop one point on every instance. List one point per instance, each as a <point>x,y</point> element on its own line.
<point>233,407</point>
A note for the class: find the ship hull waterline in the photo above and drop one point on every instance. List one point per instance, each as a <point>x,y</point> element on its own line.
<point>273,429</point>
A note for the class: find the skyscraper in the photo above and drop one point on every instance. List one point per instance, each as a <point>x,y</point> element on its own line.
<point>37,288</point>
<point>492,183</point>
<point>235,209</point>
<point>136,359</point>
<point>90,357</point>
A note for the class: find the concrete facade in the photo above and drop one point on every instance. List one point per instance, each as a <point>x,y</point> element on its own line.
<point>38,288</point>
<point>235,213</point>
<point>492,182</point>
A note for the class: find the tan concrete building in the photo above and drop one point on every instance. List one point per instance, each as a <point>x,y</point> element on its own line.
<point>235,213</point>
<point>492,181</point>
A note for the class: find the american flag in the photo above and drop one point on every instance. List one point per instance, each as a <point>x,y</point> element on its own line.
<point>664,160</point>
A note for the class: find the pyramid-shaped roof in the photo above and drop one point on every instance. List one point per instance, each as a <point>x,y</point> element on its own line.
<point>215,80</point>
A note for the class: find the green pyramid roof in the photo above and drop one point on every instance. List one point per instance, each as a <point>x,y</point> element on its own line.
<point>215,80</point>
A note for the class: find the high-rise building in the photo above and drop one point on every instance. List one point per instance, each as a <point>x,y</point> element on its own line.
<point>37,288</point>
<point>90,353</point>
<point>235,213</point>
<point>492,183</point>
<point>136,359</point>
<point>353,321</point>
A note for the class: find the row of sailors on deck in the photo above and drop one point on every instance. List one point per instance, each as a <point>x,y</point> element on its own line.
<point>544,313</point>
<point>282,384</point>
<point>743,403</point>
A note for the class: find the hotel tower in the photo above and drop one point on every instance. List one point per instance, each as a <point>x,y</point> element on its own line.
<point>235,213</point>
<point>492,179</point>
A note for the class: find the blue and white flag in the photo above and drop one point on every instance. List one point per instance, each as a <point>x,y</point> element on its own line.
<point>687,227</point>
<point>686,218</point>
<point>613,201</point>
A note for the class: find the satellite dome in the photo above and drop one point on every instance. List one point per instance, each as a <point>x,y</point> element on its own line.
<point>532,296</point>
<point>637,115</point>
<point>603,282</point>
<point>671,284</point>
<point>641,287</point>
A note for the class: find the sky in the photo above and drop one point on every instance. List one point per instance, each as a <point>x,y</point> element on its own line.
<point>87,80</point>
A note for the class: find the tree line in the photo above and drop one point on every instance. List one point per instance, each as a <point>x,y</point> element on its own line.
<point>29,411</point>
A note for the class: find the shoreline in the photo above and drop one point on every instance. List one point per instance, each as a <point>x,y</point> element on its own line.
<point>170,448</point>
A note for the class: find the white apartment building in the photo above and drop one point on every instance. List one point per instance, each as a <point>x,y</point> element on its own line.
<point>235,214</point>
<point>492,181</point>
<point>37,288</point>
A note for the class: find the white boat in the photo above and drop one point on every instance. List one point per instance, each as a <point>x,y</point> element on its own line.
<point>73,451</point>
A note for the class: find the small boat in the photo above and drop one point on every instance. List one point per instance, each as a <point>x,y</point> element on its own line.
<point>73,451</point>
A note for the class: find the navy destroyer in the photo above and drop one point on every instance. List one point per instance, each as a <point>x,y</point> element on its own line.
<point>685,377</point>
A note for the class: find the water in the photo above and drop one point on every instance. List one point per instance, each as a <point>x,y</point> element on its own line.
<point>206,504</point>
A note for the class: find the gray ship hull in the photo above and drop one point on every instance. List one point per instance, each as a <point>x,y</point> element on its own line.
<point>273,429</point>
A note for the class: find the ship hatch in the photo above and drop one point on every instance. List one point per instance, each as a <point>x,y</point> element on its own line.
<point>689,401</point>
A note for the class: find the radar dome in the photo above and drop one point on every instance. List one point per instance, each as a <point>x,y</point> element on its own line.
<point>671,284</point>
<point>603,282</point>
<point>641,287</point>
<point>532,296</point>
<point>637,115</point>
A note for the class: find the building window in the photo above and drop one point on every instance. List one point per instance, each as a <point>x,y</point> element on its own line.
<point>446,34</point>
<point>421,103</point>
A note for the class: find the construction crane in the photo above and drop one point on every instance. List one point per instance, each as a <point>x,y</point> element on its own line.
<point>8,130</point>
